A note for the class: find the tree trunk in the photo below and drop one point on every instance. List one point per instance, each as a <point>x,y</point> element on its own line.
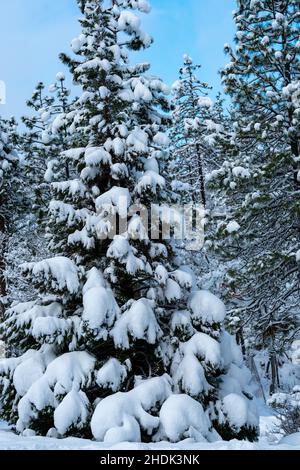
<point>3,290</point>
<point>241,340</point>
<point>198,150</point>
<point>274,373</point>
<point>201,176</point>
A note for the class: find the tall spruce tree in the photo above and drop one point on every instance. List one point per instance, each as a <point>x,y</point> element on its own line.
<point>40,146</point>
<point>197,124</point>
<point>119,343</point>
<point>45,138</point>
<point>199,134</point>
<point>261,174</point>
<point>8,194</point>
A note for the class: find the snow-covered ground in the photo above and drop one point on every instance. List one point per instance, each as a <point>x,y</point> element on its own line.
<point>11,441</point>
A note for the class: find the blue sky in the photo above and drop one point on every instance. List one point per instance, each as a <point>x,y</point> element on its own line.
<point>34,32</point>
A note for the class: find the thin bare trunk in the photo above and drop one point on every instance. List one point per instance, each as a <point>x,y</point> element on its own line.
<point>3,289</point>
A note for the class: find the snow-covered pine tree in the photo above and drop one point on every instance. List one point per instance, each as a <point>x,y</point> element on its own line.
<point>261,174</point>
<point>119,343</point>
<point>27,241</point>
<point>40,146</point>
<point>45,138</point>
<point>8,194</point>
<point>34,143</point>
<point>199,137</point>
<point>197,123</point>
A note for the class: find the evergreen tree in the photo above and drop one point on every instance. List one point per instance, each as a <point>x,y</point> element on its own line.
<point>119,341</point>
<point>8,194</point>
<point>44,140</point>
<point>199,134</point>
<point>260,176</point>
<point>40,147</point>
<point>197,123</point>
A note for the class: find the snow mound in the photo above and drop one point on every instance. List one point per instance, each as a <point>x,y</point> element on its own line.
<point>139,322</point>
<point>182,417</point>
<point>189,377</point>
<point>100,309</point>
<point>112,374</point>
<point>150,181</point>
<point>70,372</point>
<point>206,308</point>
<point>117,199</point>
<point>94,279</point>
<point>11,441</point>
<point>60,271</point>
<point>121,250</point>
<point>30,368</point>
<point>184,278</point>
<point>172,291</point>
<point>291,440</point>
<point>181,322</point>
<point>25,315</point>
<point>122,416</point>
<point>238,412</point>
<point>73,411</point>
<point>204,348</point>
<point>96,155</point>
